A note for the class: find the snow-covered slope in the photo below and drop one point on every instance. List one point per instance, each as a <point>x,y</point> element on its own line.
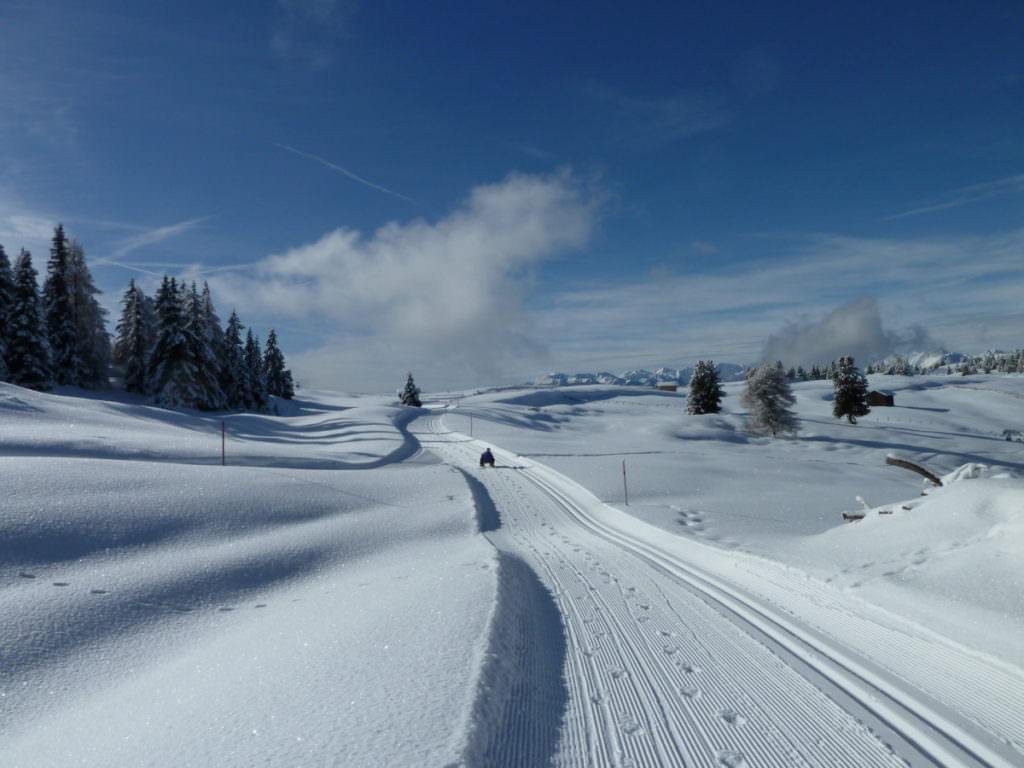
<point>706,478</point>
<point>313,602</point>
<point>352,590</point>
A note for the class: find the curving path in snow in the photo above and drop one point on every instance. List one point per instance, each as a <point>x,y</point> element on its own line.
<point>663,663</point>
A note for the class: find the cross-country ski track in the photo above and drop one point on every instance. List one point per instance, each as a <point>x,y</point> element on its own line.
<point>668,655</point>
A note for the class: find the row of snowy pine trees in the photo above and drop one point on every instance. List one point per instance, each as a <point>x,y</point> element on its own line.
<point>989,362</point>
<point>171,348</point>
<point>55,337</point>
<point>174,349</point>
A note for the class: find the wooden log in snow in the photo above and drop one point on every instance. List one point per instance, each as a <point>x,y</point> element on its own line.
<point>894,462</point>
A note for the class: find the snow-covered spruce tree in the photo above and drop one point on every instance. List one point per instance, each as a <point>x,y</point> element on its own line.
<point>134,339</point>
<point>899,367</point>
<point>411,394</point>
<point>93,348</point>
<point>6,300</point>
<point>706,391</point>
<point>287,384</point>
<point>214,332</point>
<point>279,378</point>
<point>28,352</point>
<point>768,397</point>
<point>851,391</point>
<point>201,354</point>
<point>255,383</point>
<point>59,312</point>
<point>172,375</point>
<point>232,368</point>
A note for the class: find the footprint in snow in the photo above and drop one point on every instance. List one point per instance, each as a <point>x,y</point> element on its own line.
<point>630,725</point>
<point>617,673</point>
<point>225,609</point>
<point>691,669</point>
<point>98,592</point>
<point>733,717</point>
<point>730,758</point>
<point>690,692</point>
<point>670,649</point>
<point>61,584</point>
<point>260,605</point>
<point>27,575</point>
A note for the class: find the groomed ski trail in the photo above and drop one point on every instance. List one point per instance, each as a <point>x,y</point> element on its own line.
<point>664,665</point>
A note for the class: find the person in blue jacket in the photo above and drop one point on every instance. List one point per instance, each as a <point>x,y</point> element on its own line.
<point>487,458</point>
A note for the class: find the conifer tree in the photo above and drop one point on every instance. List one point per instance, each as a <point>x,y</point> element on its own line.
<point>768,397</point>
<point>411,394</point>
<point>214,332</point>
<point>232,370</point>
<point>58,312</point>
<point>201,356</point>
<point>255,386</point>
<point>706,391</point>
<point>6,300</point>
<point>850,389</point>
<point>27,347</point>
<point>93,350</point>
<point>134,339</point>
<point>172,375</point>
<point>279,378</point>
<point>900,367</point>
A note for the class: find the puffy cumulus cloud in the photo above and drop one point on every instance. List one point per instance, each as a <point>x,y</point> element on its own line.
<point>447,293</point>
<point>854,329</point>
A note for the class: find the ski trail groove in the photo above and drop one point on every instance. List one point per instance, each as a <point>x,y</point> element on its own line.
<point>665,665</point>
<point>521,693</point>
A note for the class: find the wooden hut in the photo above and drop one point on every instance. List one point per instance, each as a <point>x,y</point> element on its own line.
<point>877,397</point>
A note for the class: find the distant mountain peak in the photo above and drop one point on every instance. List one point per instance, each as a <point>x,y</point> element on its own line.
<point>639,377</point>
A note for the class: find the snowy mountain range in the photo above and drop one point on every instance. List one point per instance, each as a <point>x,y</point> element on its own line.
<point>639,377</point>
<point>923,361</point>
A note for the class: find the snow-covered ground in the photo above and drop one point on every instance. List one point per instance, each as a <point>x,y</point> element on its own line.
<point>351,589</point>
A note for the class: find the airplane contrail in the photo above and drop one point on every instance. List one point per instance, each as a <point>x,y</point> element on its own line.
<point>348,173</point>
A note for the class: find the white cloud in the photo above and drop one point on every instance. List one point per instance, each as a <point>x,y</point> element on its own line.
<point>154,236</point>
<point>453,300</point>
<point>446,295</point>
<point>854,329</point>
<point>966,195</point>
<point>26,227</point>
<point>964,292</point>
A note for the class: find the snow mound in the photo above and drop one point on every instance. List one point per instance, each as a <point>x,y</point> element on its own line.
<point>951,555</point>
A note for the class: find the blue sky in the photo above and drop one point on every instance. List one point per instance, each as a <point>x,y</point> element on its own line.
<point>479,192</point>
